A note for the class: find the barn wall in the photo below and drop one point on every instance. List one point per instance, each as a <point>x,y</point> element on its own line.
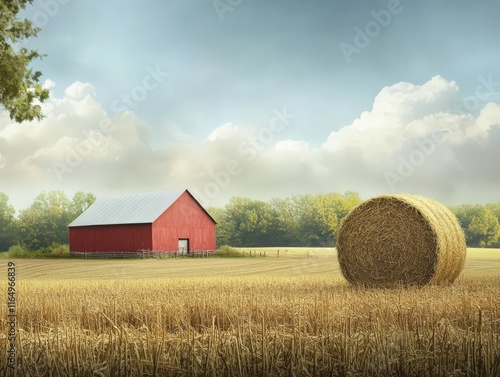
<point>130,237</point>
<point>185,218</point>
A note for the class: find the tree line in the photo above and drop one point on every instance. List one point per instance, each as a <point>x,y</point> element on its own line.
<point>480,223</point>
<point>42,224</point>
<point>313,220</point>
<point>298,220</point>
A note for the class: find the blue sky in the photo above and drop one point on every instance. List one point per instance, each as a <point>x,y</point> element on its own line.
<point>224,67</point>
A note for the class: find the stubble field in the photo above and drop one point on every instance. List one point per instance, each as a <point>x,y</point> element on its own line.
<point>262,316</point>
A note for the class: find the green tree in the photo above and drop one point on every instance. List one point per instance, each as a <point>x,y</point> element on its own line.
<point>20,90</point>
<point>322,215</point>
<point>309,227</point>
<point>286,221</point>
<point>480,225</point>
<point>351,201</point>
<point>245,222</point>
<point>495,208</point>
<point>299,220</point>
<point>79,203</point>
<point>45,221</point>
<point>7,221</point>
<point>224,233</point>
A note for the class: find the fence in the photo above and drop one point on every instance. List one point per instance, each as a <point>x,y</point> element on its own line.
<point>143,254</point>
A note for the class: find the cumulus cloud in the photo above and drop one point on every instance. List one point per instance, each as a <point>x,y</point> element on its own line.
<point>78,91</point>
<point>292,146</point>
<point>413,139</point>
<point>416,139</point>
<point>225,131</point>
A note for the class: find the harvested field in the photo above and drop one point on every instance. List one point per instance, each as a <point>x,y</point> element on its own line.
<point>225,318</point>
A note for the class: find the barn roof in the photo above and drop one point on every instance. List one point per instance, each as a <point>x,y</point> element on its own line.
<point>141,208</point>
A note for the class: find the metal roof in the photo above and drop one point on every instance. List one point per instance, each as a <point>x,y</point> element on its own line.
<point>142,208</point>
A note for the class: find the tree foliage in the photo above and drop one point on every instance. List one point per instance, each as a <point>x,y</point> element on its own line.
<point>7,218</point>
<point>480,224</point>
<point>80,202</point>
<point>313,220</point>
<point>20,90</point>
<point>43,223</point>
<point>299,220</point>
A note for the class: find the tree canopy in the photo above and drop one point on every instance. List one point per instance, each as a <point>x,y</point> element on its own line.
<point>20,90</point>
<point>7,219</point>
<point>43,223</point>
<point>313,220</point>
<point>480,224</point>
<point>299,220</point>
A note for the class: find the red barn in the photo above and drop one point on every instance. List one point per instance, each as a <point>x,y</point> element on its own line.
<point>165,220</point>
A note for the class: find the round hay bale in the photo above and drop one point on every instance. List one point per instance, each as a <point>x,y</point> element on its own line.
<point>393,240</point>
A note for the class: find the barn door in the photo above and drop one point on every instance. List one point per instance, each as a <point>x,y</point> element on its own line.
<point>183,246</point>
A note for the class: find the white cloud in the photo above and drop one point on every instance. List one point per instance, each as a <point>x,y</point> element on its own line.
<point>488,117</point>
<point>225,131</point>
<point>396,140</point>
<point>78,91</point>
<point>49,84</point>
<point>412,140</point>
<point>292,146</point>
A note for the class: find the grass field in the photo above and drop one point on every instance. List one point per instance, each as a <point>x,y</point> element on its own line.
<point>291,315</point>
<point>292,262</point>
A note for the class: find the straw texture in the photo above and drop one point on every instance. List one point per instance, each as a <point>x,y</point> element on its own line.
<point>396,240</point>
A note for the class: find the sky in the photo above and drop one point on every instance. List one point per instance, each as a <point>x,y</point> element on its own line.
<point>262,99</point>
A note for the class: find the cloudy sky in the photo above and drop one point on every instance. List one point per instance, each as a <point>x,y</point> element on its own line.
<point>262,98</point>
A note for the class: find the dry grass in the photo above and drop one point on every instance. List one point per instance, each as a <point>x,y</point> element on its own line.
<point>401,240</point>
<point>296,323</point>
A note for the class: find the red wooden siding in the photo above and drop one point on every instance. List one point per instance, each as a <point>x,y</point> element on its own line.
<point>185,218</point>
<point>129,237</point>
